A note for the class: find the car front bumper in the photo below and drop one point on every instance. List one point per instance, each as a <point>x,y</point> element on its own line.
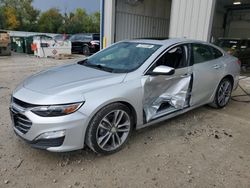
<point>71,129</point>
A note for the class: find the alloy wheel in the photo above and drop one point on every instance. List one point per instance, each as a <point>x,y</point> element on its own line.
<point>224,93</point>
<point>113,130</point>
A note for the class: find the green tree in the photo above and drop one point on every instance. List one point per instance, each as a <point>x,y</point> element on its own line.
<point>76,22</point>
<point>2,19</point>
<point>21,15</point>
<point>26,15</point>
<point>95,22</point>
<point>10,17</point>
<point>80,22</point>
<point>50,21</point>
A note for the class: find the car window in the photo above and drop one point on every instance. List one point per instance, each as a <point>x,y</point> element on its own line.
<point>175,58</point>
<point>87,37</point>
<point>96,37</point>
<point>201,53</point>
<point>78,37</point>
<point>216,53</point>
<point>72,37</point>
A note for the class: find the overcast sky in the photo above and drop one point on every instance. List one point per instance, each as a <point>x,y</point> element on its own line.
<point>68,5</point>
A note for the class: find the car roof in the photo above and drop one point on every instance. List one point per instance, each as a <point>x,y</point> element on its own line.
<point>167,42</point>
<point>87,34</point>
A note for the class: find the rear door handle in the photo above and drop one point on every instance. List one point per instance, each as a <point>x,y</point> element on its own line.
<point>216,66</point>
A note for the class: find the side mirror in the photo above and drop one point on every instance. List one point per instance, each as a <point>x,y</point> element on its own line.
<point>163,70</point>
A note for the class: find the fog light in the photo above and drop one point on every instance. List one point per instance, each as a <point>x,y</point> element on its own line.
<point>51,135</point>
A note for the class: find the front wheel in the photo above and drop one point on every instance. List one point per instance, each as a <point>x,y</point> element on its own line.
<point>110,129</point>
<point>223,94</point>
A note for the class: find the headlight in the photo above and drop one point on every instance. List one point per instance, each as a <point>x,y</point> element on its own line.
<point>56,110</point>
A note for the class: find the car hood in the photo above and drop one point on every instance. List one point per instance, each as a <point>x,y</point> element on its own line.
<point>71,79</point>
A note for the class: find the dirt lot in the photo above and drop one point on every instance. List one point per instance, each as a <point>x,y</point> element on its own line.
<point>203,148</point>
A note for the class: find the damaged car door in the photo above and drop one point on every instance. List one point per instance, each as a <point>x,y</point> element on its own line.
<point>208,70</point>
<point>167,92</point>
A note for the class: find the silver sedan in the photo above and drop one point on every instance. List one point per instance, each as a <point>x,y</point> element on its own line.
<point>130,85</point>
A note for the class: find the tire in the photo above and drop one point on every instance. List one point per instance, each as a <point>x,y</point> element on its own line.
<point>223,94</point>
<point>103,136</point>
<point>85,50</point>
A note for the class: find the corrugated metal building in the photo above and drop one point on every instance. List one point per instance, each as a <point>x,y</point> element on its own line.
<point>195,19</point>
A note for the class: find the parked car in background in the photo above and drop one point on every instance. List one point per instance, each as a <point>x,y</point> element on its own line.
<point>85,43</point>
<point>99,100</point>
<point>62,37</point>
<point>237,47</point>
<point>5,43</point>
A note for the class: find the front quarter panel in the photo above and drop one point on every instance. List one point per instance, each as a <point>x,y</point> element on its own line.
<point>127,91</point>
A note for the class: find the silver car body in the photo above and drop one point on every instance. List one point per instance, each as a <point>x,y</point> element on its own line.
<point>141,92</point>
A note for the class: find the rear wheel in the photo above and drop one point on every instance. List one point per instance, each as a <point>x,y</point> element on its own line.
<point>86,51</point>
<point>110,129</point>
<point>223,94</point>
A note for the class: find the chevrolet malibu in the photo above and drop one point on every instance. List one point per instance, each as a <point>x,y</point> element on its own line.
<point>99,100</point>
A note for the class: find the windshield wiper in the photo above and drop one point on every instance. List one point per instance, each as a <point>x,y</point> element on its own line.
<point>97,66</point>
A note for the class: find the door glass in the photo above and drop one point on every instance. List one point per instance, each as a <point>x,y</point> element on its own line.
<point>175,58</point>
<point>201,53</point>
<point>216,53</point>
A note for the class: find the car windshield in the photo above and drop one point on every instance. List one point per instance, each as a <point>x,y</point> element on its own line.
<point>122,57</point>
<point>228,44</point>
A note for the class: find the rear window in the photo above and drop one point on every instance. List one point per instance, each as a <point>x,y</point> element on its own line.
<point>96,37</point>
<point>84,37</point>
<point>217,53</point>
<point>201,53</point>
<point>81,37</point>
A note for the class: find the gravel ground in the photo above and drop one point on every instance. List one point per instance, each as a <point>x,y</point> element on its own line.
<point>202,148</point>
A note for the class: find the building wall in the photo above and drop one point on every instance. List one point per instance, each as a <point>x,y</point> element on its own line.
<point>108,22</point>
<point>157,18</point>
<point>239,25</point>
<point>192,19</point>
<point>145,19</point>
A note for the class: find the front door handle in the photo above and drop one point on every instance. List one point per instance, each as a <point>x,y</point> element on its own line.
<point>185,75</point>
<point>216,66</point>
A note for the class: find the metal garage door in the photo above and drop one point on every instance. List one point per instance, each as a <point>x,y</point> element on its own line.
<point>192,18</point>
<point>239,25</point>
<point>143,19</point>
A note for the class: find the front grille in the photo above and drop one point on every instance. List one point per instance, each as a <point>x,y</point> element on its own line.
<point>20,121</point>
